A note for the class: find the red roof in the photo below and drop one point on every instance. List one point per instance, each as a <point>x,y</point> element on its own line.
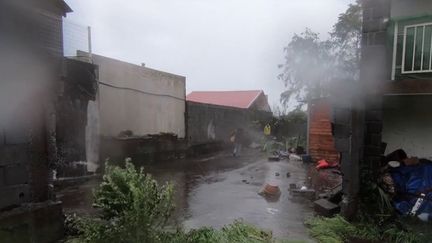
<point>238,99</point>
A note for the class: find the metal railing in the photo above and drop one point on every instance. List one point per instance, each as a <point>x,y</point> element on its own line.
<point>417,48</point>
<point>76,37</point>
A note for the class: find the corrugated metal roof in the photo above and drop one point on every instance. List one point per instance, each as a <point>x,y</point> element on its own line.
<point>238,99</point>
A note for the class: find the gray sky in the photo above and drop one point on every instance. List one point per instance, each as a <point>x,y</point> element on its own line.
<point>216,44</point>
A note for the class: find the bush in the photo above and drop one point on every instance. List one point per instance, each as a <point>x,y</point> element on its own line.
<point>134,207</point>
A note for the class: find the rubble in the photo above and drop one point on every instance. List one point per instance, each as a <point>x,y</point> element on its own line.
<point>326,208</point>
<point>302,191</point>
<point>274,158</point>
<point>270,191</point>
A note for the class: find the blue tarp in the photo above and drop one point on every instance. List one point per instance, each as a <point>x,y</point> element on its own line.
<point>411,181</point>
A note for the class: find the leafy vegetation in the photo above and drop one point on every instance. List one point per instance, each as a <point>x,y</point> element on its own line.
<point>134,208</point>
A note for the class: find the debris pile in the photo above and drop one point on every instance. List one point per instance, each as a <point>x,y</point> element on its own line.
<point>408,183</point>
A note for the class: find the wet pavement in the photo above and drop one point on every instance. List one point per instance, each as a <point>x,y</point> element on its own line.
<point>224,196</point>
<point>216,190</point>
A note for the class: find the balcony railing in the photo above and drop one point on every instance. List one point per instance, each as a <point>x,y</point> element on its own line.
<point>76,37</point>
<point>417,48</point>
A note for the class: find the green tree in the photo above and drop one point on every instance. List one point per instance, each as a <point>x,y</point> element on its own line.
<point>311,64</point>
<point>346,41</point>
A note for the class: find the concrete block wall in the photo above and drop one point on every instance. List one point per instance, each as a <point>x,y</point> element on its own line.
<point>208,123</point>
<point>31,68</point>
<point>375,72</point>
<point>40,223</point>
<point>357,109</point>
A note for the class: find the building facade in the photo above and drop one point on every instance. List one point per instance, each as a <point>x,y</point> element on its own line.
<point>391,110</point>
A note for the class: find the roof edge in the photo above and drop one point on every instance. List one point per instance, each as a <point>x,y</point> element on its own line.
<point>256,97</point>
<point>65,6</point>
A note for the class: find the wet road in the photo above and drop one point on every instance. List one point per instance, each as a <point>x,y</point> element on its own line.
<point>217,190</point>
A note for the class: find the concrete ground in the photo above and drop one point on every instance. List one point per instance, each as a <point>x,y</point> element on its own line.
<point>216,190</point>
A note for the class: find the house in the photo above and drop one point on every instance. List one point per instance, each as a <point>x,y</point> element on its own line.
<point>213,115</point>
<point>252,100</point>
<point>391,104</point>
<point>31,69</point>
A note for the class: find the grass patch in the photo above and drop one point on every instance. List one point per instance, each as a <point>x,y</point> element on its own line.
<point>338,230</point>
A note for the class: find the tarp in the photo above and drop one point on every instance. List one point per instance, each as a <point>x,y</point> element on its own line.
<point>410,182</point>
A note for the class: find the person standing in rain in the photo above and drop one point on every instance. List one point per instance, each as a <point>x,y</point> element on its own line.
<point>267,130</point>
<point>237,138</point>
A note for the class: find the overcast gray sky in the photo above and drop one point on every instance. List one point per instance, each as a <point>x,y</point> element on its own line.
<point>216,44</point>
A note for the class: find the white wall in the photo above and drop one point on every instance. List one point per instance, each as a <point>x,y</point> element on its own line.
<point>143,114</point>
<point>408,124</point>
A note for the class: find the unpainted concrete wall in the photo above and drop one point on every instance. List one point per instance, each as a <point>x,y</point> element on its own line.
<point>125,109</point>
<point>407,124</point>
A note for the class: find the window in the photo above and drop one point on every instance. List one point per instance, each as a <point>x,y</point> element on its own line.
<point>417,46</point>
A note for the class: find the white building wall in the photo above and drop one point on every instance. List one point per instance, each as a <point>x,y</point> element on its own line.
<point>126,109</point>
<point>408,124</point>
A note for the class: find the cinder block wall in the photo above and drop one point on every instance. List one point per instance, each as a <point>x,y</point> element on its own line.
<point>207,123</point>
<point>375,72</point>
<point>30,65</point>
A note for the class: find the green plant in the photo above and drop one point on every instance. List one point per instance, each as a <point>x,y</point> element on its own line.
<point>337,230</point>
<point>134,207</point>
<point>238,232</point>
